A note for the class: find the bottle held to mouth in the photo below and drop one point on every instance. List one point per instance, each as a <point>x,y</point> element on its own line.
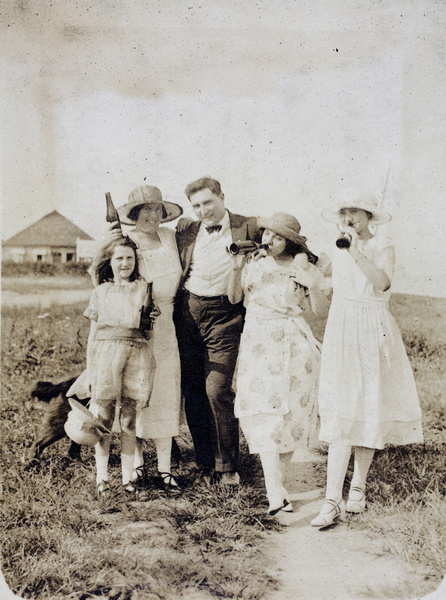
<point>244,247</point>
<point>344,239</point>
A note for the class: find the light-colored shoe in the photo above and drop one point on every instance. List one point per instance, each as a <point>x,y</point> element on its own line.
<point>228,478</point>
<point>356,501</point>
<point>330,512</point>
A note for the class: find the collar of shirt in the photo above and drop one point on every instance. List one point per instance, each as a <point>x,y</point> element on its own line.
<point>211,264</point>
<point>225,226</point>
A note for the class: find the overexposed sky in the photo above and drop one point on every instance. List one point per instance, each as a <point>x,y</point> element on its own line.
<point>284,102</point>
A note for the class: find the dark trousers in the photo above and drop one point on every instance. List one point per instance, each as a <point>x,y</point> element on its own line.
<point>208,332</point>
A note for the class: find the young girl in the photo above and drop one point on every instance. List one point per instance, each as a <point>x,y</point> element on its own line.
<point>278,366</point>
<point>119,362</point>
<point>367,394</point>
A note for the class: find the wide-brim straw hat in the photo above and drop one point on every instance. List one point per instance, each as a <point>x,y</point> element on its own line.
<point>148,194</point>
<point>355,198</point>
<point>82,426</point>
<point>285,225</point>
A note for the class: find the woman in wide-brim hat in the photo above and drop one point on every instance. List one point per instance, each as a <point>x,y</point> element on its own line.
<point>147,195</point>
<point>159,264</point>
<point>279,357</point>
<point>367,393</point>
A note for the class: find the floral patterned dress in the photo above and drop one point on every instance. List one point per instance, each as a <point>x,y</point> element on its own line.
<point>278,366</point>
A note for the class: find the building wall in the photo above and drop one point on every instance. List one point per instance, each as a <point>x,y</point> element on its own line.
<point>47,255</point>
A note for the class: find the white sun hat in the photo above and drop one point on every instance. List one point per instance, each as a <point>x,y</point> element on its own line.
<point>82,426</point>
<point>355,198</point>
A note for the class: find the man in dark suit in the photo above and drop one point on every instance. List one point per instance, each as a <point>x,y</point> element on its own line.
<point>209,329</point>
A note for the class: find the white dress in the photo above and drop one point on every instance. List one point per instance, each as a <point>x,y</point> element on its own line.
<point>162,267</point>
<point>278,367</point>
<point>367,393</point>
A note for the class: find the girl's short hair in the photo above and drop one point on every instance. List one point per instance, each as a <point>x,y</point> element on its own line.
<point>134,212</point>
<point>101,270</point>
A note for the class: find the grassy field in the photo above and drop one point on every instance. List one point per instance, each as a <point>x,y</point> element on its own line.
<point>59,542</point>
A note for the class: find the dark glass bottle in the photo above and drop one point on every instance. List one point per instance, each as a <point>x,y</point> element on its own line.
<point>344,240</point>
<point>112,214</point>
<point>146,321</point>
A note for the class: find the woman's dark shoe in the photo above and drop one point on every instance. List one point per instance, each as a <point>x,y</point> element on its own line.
<point>286,507</point>
<point>170,482</point>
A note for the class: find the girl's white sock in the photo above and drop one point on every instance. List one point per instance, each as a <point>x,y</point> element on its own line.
<point>163,452</point>
<point>101,451</point>
<point>127,467</point>
<point>338,459</point>
<point>128,445</point>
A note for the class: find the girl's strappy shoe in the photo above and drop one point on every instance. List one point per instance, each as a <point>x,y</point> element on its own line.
<point>103,489</point>
<point>330,512</point>
<point>356,501</point>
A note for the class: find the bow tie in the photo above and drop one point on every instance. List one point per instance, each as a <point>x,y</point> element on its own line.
<point>213,228</point>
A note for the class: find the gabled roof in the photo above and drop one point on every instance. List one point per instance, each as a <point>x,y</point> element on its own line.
<point>52,230</point>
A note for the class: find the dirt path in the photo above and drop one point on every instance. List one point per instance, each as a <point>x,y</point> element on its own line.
<point>338,563</point>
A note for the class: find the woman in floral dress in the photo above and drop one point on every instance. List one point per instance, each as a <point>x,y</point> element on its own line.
<point>279,358</point>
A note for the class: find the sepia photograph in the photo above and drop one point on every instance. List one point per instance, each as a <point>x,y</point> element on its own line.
<point>223,300</point>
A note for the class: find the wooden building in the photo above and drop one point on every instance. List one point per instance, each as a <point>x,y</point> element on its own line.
<point>51,240</point>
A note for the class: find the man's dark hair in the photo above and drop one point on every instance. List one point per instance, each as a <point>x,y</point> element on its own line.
<point>201,184</point>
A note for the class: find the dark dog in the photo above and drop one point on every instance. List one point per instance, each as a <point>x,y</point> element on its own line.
<point>56,415</point>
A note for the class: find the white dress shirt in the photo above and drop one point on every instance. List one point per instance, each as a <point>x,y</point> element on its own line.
<point>211,264</point>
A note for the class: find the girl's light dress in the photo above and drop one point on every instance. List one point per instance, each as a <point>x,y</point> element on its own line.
<point>122,366</point>
<point>278,368</point>
<point>367,393</point>
<point>162,267</point>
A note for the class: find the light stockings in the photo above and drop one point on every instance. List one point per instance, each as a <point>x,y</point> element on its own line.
<point>163,452</point>
<point>273,465</point>
<point>338,459</point>
<point>363,460</point>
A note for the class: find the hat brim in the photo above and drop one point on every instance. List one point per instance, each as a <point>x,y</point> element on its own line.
<point>263,223</point>
<point>173,211</point>
<point>379,216</point>
<point>87,415</point>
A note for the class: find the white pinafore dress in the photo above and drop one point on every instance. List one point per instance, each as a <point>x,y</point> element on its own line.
<point>367,392</point>
<point>162,267</point>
